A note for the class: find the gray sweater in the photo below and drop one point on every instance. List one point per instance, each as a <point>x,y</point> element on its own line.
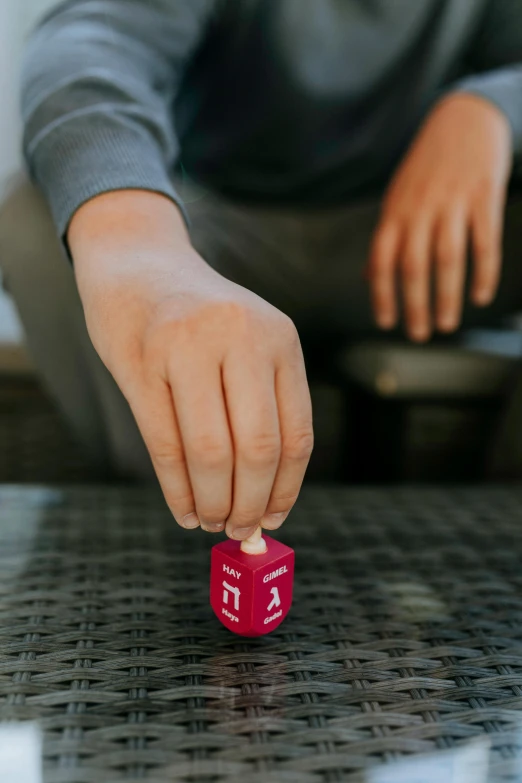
<point>296,102</point>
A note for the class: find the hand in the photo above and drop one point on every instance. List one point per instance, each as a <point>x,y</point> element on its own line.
<point>214,375</point>
<point>449,191</point>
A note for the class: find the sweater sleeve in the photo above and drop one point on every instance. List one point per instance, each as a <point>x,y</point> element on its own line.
<point>98,85</point>
<point>496,61</point>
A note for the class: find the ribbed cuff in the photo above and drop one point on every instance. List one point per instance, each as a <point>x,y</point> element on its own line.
<point>504,89</point>
<point>87,157</point>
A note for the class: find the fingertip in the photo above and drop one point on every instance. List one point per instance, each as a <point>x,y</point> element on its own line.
<point>386,321</point>
<point>420,334</point>
<point>482,297</point>
<point>190,521</point>
<point>447,323</point>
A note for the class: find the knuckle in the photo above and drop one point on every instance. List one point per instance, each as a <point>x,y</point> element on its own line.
<point>133,350</point>
<point>447,259</point>
<point>155,342</point>
<point>234,316</point>
<point>233,311</point>
<point>421,199</point>
<point>299,446</point>
<point>261,449</point>
<point>168,456</point>
<point>411,267</point>
<point>210,452</point>
<point>170,328</point>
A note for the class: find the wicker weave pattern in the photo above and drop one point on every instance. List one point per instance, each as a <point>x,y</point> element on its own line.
<point>405,637</point>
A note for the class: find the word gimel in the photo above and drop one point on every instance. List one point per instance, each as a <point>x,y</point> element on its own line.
<point>273,574</point>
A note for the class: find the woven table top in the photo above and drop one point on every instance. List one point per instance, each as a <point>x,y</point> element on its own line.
<point>404,640</point>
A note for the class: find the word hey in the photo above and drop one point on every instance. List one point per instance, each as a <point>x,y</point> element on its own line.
<point>231,571</point>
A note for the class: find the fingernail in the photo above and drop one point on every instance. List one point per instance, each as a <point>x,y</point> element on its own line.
<point>212,527</point>
<point>275,520</point>
<point>190,521</point>
<point>240,533</point>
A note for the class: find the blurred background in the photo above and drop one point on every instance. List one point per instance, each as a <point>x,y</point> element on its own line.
<point>34,443</point>
<point>383,412</point>
<point>16,19</point>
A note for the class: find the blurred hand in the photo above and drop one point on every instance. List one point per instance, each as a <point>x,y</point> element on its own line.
<point>214,375</point>
<point>448,193</point>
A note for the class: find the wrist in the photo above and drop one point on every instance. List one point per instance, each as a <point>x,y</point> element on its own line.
<point>471,101</point>
<point>129,216</point>
<point>125,234</point>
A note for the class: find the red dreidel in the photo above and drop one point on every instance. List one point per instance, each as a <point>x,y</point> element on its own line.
<point>251,583</point>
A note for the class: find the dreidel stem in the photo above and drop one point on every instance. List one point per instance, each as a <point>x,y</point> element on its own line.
<point>254,544</point>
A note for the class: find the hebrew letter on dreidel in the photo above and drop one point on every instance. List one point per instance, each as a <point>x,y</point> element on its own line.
<point>276,601</point>
<point>236,592</point>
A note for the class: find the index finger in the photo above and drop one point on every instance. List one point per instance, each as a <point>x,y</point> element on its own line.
<point>297,438</point>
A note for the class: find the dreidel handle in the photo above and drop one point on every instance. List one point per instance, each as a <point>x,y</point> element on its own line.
<point>254,544</point>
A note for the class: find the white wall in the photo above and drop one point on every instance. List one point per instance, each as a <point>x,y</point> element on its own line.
<point>16,18</point>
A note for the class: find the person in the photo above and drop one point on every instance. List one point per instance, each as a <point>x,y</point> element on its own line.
<point>224,173</point>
